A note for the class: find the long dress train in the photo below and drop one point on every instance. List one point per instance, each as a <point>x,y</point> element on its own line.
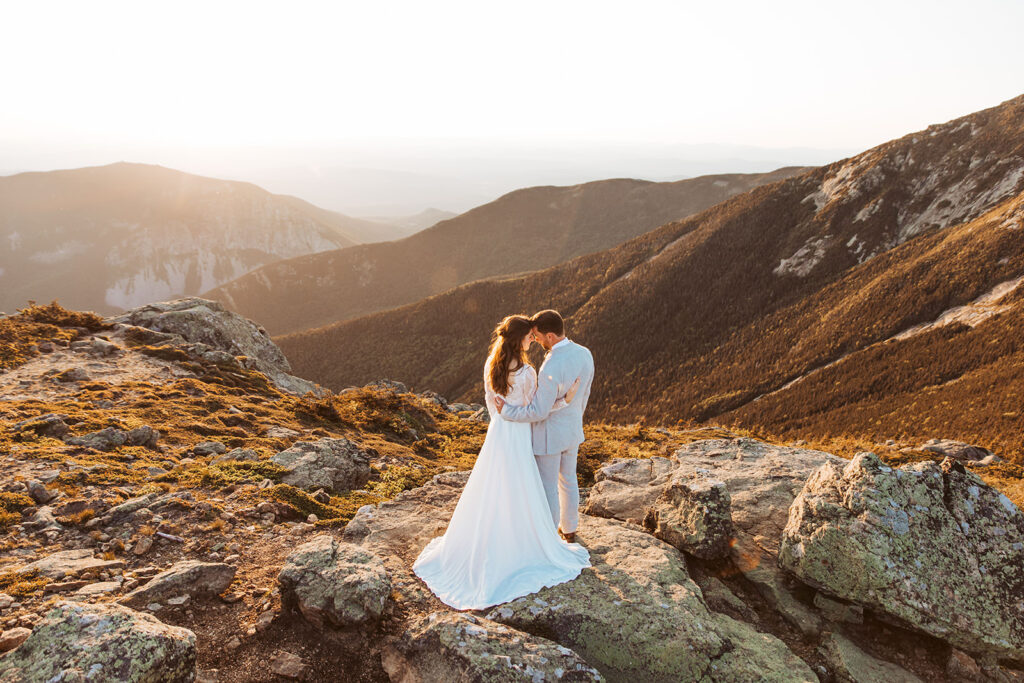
<point>501,542</point>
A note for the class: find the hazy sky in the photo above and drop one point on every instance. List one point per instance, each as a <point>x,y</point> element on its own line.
<point>775,74</point>
<point>138,75</point>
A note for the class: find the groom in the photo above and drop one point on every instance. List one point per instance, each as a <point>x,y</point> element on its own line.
<point>557,435</point>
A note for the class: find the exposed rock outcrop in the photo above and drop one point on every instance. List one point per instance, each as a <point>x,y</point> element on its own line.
<point>453,646</point>
<point>634,615</point>
<point>334,583</point>
<point>82,642</point>
<point>693,514</point>
<point>932,546</point>
<point>333,464</point>
<point>208,323</point>
<point>761,479</point>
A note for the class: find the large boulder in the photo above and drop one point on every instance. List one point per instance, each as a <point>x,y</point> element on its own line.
<point>207,322</point>
<point>637,615</point>
<point>762,479</point>
<point>333,464</point>
<point>693,514</point>
<point>187,577</point>
<point>634,615</point>
<point>337,583</point>
<point>453,646</point>
<point>83,642</point>
<point>932,546</point>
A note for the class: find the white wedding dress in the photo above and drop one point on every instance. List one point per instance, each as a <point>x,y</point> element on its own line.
<point>501,542</point>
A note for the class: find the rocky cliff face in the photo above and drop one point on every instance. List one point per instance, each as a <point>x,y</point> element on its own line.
<point>114,237</point>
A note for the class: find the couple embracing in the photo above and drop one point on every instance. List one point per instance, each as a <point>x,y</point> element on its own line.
<point>513,531</point>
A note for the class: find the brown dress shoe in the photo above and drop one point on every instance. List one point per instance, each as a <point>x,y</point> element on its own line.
<point>569,538</point>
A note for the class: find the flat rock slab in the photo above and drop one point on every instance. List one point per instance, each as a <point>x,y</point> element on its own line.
<point>454,646</point>
<point>82,642</point>
<point>187,577</point>
<point>849,664</point>
<point>68,563</point>
<point>932,546</point>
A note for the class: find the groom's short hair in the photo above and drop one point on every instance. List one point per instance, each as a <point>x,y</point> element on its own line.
<point>548,321</point>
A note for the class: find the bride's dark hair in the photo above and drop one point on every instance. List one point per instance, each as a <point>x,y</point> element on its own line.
<point>507,354</point>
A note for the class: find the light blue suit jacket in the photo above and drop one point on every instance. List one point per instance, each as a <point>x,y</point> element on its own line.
<point>561,430</point>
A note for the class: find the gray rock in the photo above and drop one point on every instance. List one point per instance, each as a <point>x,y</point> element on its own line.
<point>240,454</point>
<point>957,450</point>
<point>38,492</point>
<point>187,577</point>
<point>80,642</point>
<point>279,432</point>
<point>144,436</point>
<point>208,323</point>
<point>50,424</point>
<point>454,646</point>
<point>837,611</point>
<point>849,664</point>
<point>762,480</point>
<point>149,500</point>
<point>69,563</point>
<point>932,546</point>
<point>640,586</point>
<point>106,439</point>
<point>635,615</point>
<point>334,583</point>
<point>288,665</point>
<point>96,347</point>
<point>693,514</point>
<point>209,448</point>
<point>627,489</point>
<point>332,464</point>
<point>72,375</point>
<point>42,520</point>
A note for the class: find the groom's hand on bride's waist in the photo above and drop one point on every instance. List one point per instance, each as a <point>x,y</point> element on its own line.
<point>499,402</point>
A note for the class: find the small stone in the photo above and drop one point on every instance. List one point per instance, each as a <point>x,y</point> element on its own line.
<point>178,601</point>
<point>209,448</point>
<point>154,607</point>
<point>312,519</point>
<point>234,643</point>
<point>264,621</point>
<point>288,665</point>
<point>143,545</point>
<point>231,597</point>
<point>72,375</point>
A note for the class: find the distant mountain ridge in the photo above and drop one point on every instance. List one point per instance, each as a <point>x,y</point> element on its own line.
<point>813,277</point>
<point>112,237</point>
<point>525,230</point>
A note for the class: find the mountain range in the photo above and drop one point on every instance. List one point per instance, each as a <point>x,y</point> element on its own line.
<point>883,285</point>
<point>526,230</point>
<point>111,237</point>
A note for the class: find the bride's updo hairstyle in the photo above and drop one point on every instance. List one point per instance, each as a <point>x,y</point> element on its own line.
<point>507,354</point>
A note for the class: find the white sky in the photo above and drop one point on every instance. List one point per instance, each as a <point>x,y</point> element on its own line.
<point>772,74</point>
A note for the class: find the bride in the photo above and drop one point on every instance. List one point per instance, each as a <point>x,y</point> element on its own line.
<point>501,542</point>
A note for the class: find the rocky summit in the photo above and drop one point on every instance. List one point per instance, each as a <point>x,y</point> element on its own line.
<point>172,509</point>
